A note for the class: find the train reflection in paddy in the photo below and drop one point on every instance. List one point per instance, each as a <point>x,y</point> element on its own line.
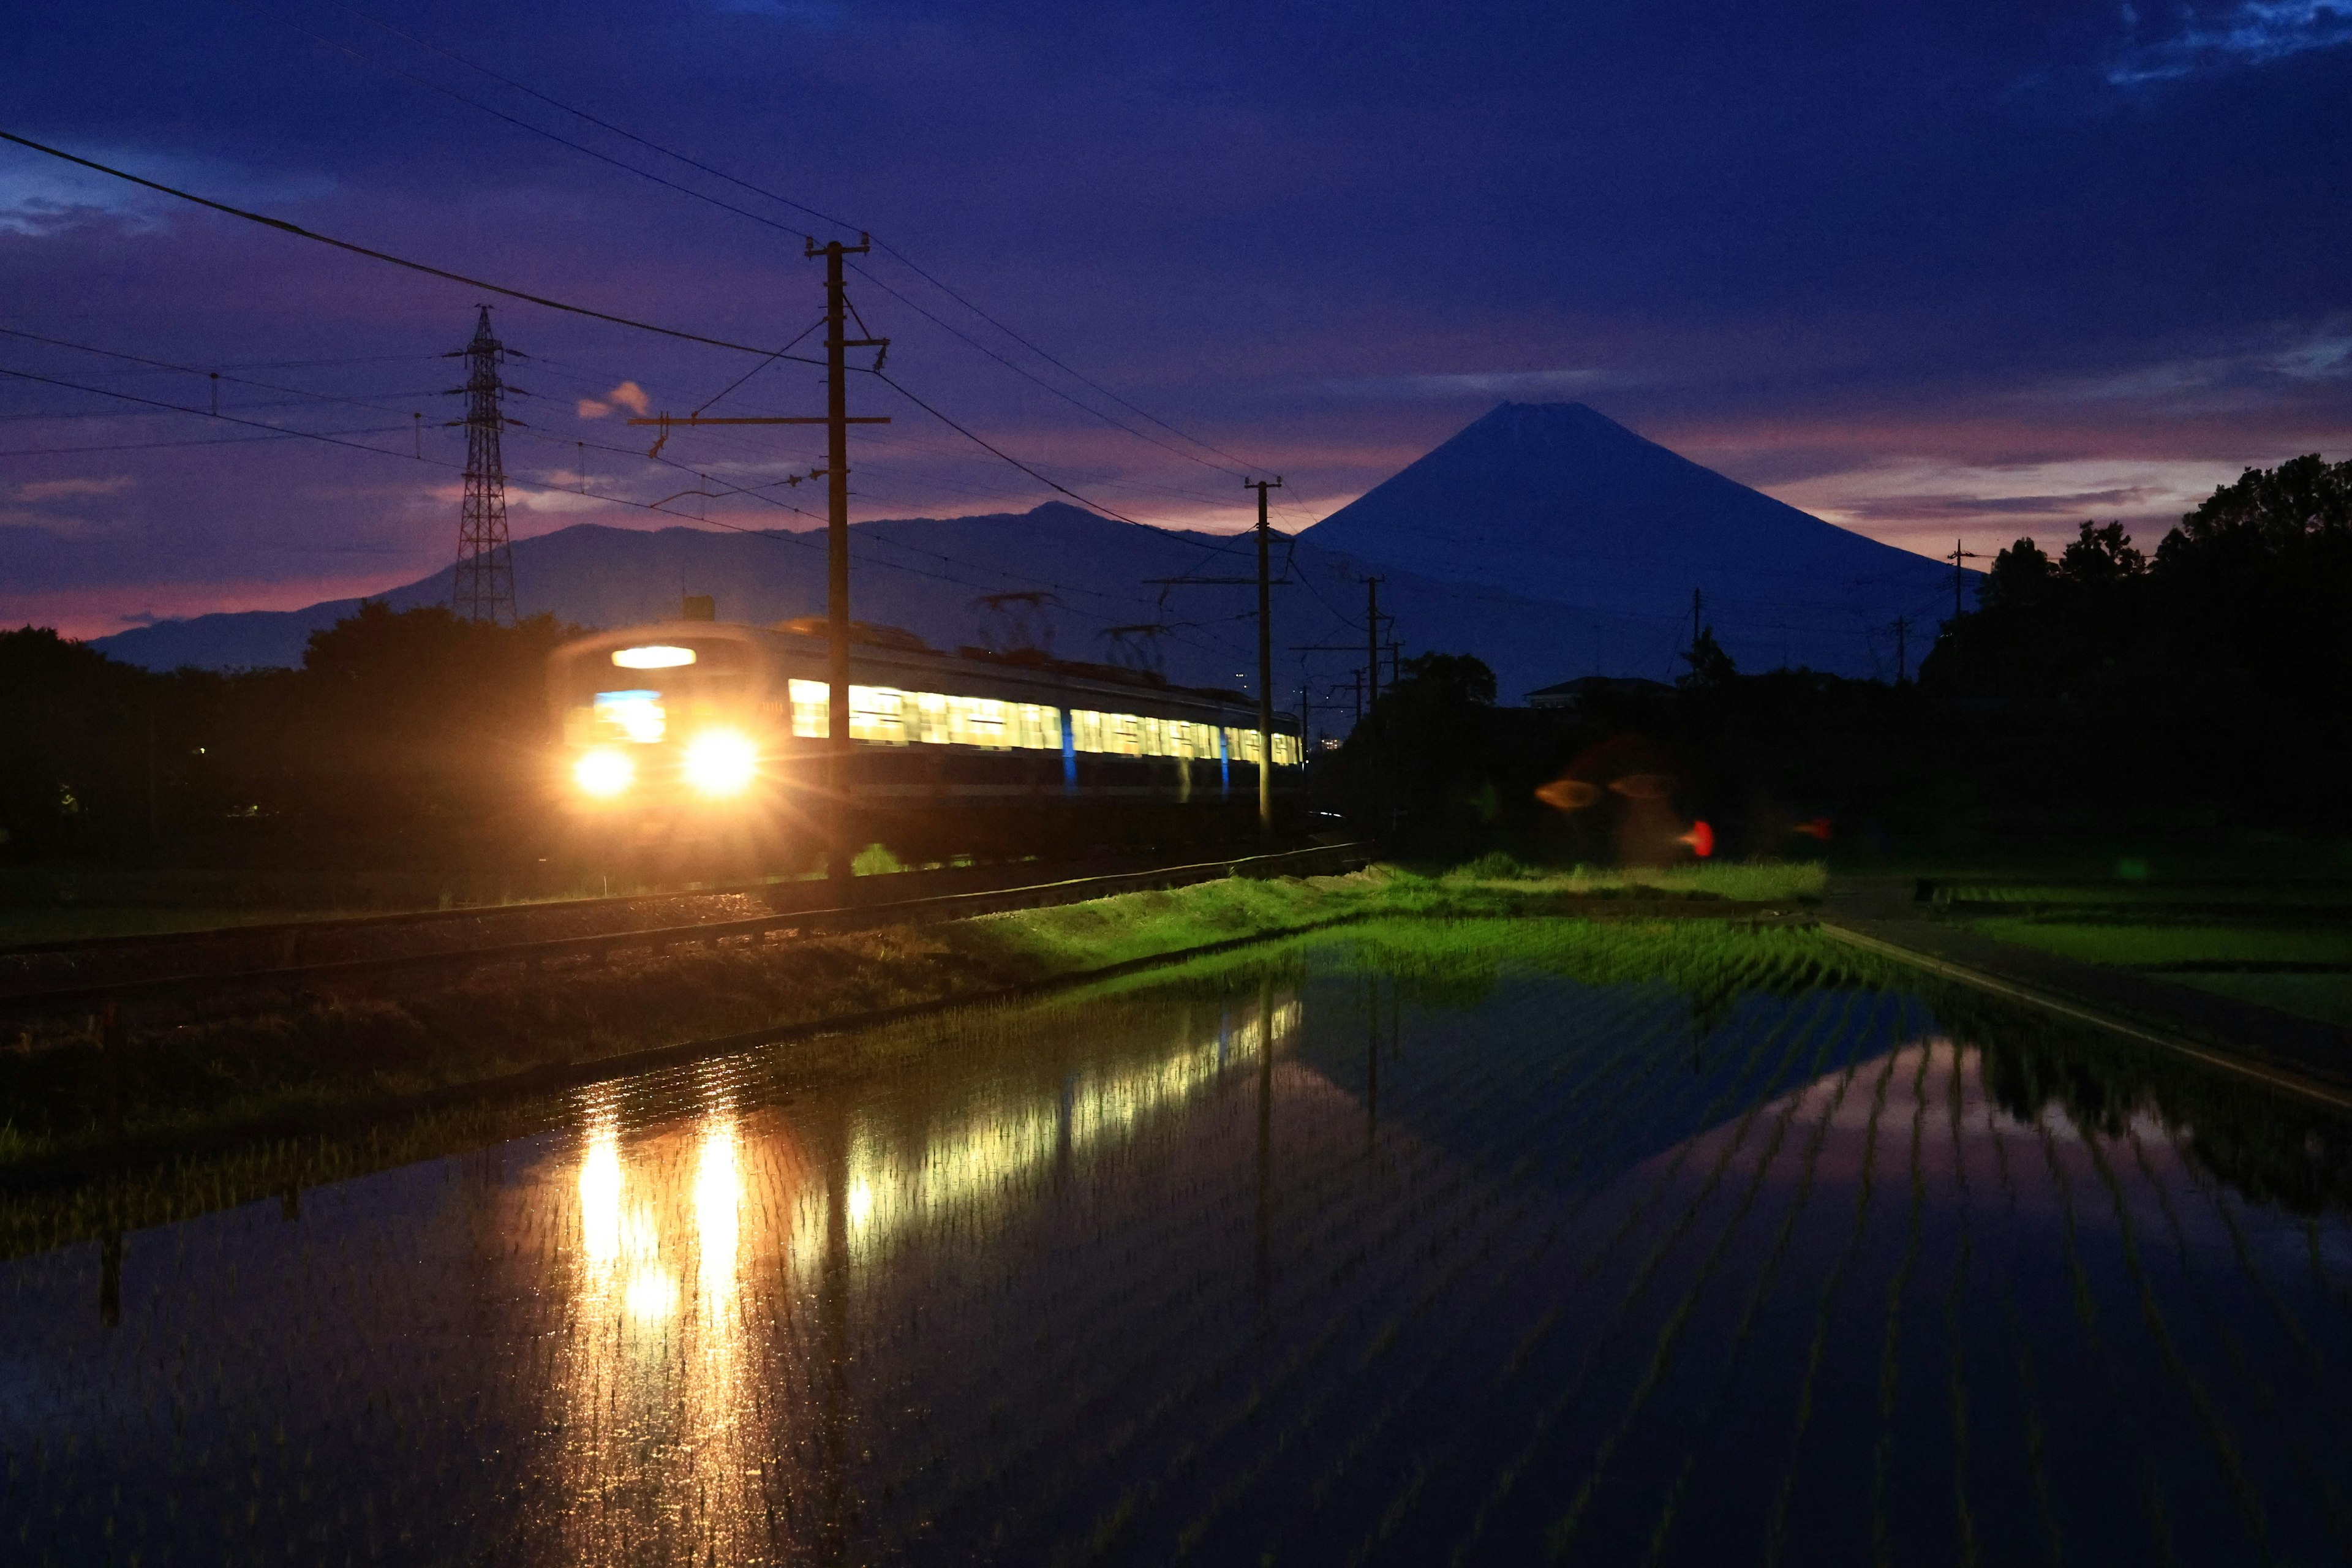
<point>1682,1251</point>
<point>650,1399</point>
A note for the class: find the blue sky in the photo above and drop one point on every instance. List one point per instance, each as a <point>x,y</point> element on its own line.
<point>1925,271</point>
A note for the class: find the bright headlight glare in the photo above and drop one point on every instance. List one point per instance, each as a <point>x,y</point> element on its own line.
<point>603,774</point>
<point>722,762</point>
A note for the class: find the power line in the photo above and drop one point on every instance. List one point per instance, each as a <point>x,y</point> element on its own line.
<point>275,432</point>
<point>385,256</point>
<point>753,492</point>
<point>1000,452</point>
<point>217,441</point>
<point>892,251</point>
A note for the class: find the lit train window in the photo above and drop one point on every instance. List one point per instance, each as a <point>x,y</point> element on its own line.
<point>888,716</point>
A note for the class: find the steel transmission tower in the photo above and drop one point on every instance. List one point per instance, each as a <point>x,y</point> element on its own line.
<point>482,588</point>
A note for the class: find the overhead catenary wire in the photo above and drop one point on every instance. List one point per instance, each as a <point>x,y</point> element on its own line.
<point>336,441</point>
<point>753,492</point>
<point>897,255</point>
<point>384,255</point>
<point>768,354</point>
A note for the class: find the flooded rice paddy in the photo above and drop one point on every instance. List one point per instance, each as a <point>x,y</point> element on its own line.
<point>1414,1245</point>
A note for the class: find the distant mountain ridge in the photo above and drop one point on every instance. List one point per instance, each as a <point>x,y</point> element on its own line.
<point>1546,538</point>
<point>925,573</point>
<point>1558,501</point>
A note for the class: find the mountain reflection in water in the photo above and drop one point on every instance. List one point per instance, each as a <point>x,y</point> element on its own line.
<point>1288,1259</point>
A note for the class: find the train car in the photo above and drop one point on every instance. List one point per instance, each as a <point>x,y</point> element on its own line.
<point>711,736</point>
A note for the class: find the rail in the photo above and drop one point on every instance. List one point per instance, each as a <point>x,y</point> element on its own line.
<point>455,964</point>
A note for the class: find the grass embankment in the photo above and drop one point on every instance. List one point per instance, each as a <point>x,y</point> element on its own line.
<point>2288,947</point>
<point>62,1097</point>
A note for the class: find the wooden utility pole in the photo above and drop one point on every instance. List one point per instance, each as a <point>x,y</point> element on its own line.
<point>1372,641</point>
<point>1902,649</point>
<point>1959,553</point>
<point>837,419</point>
<point>1265,664</point>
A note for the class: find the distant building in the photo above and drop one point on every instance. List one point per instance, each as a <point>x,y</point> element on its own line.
<point>1576,696</point>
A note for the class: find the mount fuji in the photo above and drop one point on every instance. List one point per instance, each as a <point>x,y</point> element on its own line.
<point>1558,501</point>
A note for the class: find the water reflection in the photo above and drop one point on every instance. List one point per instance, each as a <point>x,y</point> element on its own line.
<point>709,1423</point>
<point>1298,1260</point>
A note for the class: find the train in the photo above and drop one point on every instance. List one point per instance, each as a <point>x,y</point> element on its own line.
<point>710,736</point>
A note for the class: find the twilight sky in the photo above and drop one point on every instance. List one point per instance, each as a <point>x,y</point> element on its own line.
<point>1924,272</point>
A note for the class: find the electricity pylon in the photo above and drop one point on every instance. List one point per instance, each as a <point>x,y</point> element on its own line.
<point>482,587</point>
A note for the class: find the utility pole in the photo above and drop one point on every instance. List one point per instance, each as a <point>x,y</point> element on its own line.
<point>1902,649</point>
<point>1265,665</point>
<point>1265,585</point>
<point>838,419</point>
<point>482,586</point>
<point>1698,608</point>
<point>1373,640</point>
<point>1959,553</point>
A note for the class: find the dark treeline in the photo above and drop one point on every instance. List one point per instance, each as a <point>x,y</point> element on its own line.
<point>410,739</point>
<point>2095,687</point>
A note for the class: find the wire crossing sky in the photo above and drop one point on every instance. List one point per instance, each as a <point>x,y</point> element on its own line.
<point>1983,274</point>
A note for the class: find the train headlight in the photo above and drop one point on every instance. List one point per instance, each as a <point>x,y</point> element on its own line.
<point>603,774</point>
<point>722,762</point>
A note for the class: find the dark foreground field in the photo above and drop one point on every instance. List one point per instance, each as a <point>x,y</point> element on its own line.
<point>1422,1242</point>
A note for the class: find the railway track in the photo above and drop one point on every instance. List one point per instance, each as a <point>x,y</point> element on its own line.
<point>234,968</point>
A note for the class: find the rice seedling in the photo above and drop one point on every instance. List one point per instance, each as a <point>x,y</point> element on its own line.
<point>1140,1271</point>
<point>2245,1372</point>
<point>2158,1514</point>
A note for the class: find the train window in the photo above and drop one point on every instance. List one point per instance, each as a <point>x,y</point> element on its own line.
<point>976,722</point>
<point>1036,727</point>
<point>930,719</point>
<point>889,716</point>
<point>875,714</point>
<point>809,716</point>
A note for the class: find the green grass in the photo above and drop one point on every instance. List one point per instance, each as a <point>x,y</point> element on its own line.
<point>2130,943</point>
<point>1756,881</point>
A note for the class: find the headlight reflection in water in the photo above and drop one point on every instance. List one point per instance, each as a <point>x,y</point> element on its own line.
<point>696,1398</point>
